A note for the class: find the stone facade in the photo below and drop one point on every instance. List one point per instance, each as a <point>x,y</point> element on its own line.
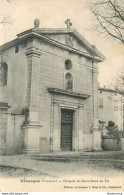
<point>37,80</point>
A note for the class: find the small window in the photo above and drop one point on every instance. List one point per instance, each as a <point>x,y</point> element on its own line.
<point>100,102</point>
<point>68,81</point>
<point>16,49</point>
<point>3,74</point>
<point>68,65</point>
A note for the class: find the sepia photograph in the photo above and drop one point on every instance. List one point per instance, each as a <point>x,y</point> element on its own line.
<point>62,96</point>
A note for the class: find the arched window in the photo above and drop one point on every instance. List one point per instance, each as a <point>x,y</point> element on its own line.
<point>3,74</point>
<point>68,81</point>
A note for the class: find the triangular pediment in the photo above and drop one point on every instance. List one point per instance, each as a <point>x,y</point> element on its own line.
<point>70,41</point>
<point>68,37</point>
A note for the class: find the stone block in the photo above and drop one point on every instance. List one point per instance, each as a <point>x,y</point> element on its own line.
<point>96,140</point>
<point>87,142</point>
<point>111,144</point>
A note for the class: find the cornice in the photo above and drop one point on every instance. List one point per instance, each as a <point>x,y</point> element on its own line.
<point>69,93</point>
<point>4,105</point>
<point>9,44</point>
<point>33,51</point>
<point>35,33</point>
<point>108,90</point>
<point>74,32</point>
<point>60,45</point>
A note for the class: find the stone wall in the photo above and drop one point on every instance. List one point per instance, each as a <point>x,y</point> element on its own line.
<point>111,144</point>
<point>87,142</point>
<point>3,130</point>
<point>13,141</point>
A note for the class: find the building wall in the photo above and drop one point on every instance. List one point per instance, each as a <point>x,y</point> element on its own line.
<point>11,133</point>
<point>15,91</point>
<point>112,108</point>
<point>15,95</point>
<point>3,129</point>
<point>15,135</point>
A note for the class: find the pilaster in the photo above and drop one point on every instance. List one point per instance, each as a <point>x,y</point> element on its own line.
<point>33,61</point>
<point>32,127</point>
<point>80,131</point>
<point>57,127</point>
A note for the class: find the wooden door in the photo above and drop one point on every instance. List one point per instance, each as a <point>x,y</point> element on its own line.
<point>66,129</point>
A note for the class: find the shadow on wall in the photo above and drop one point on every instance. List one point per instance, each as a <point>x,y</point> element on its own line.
<point>14,135</point>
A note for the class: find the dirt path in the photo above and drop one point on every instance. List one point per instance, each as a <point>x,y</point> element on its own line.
<point>59,167</point>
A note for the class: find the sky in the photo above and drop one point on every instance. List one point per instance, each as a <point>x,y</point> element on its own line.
<point>52,14</point>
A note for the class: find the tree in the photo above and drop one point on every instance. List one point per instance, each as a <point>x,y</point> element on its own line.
<point>119,86</point>
<point>113,130</point>
<point>110,18</point>
<point>6,19</point>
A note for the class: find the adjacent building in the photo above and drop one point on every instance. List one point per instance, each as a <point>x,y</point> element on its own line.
<point>111,107</point>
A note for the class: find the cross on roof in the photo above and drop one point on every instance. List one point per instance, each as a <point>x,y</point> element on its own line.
<point>68,23</point>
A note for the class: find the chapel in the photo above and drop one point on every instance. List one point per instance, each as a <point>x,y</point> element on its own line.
<point>49,92</point>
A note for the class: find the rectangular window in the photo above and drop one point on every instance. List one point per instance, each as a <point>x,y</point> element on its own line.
<point>100,102</point>
<point>16,49</point>
<point>115,105</point>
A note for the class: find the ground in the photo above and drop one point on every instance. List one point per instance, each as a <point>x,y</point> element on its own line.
<point>105,164</point>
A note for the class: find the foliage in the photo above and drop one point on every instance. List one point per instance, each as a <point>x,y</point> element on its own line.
<point>113,130</point>
<point>6,19</point>
<point>119,86</point>
<point>110,18</point>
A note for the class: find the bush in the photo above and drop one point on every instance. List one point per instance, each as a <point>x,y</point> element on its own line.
<point>113,130</point>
